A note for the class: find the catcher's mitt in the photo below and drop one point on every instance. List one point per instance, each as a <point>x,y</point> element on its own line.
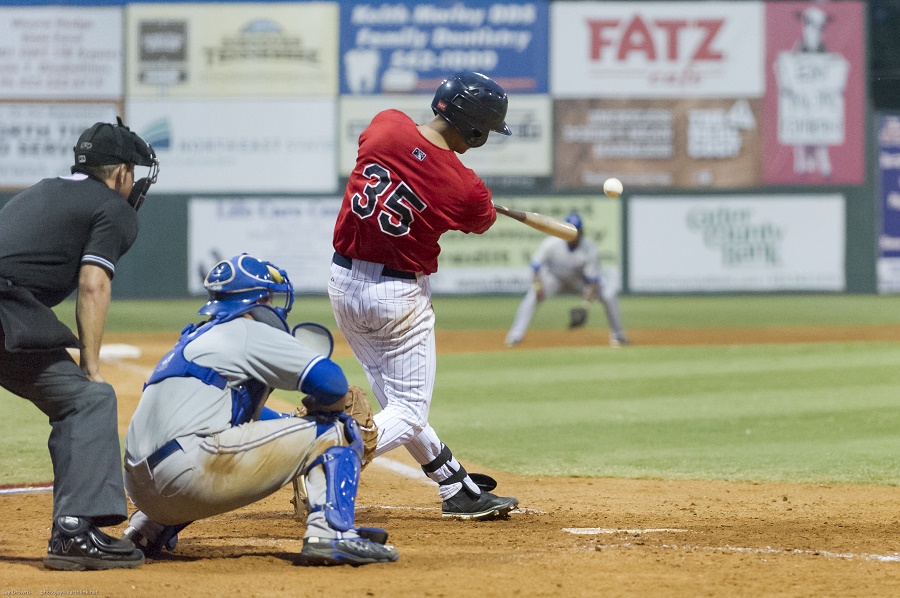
<point>355,404</point>
<point>577,317</point>
<point>358,407</point>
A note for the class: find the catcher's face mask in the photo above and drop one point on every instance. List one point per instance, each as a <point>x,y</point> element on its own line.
<point>238,284</point>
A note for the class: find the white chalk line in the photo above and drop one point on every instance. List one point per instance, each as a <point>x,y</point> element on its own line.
<point>115,351</point>
<point>404,470</point>
<point>399,508</point>
<point>419,476</point>
<point>607,530</point>
<point>883,558</point>
<point>396,508</point>
<point>25,490</point>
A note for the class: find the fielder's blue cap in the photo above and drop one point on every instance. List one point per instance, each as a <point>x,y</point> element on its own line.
<point>575,220</point>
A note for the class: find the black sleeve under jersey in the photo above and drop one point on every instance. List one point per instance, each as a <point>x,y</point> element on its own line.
<point>114,227</point>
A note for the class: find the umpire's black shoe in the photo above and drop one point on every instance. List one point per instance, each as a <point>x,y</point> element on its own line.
<point>481,507</point>
<point>77,545</point>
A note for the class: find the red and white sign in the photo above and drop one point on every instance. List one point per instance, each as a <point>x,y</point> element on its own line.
<point>814,130</point>
<point>656,49</point>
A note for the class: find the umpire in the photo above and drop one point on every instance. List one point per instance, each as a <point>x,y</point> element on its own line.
<point>61,235</point>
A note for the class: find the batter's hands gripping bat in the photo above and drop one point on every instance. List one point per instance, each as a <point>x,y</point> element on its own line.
<point>545,224</point>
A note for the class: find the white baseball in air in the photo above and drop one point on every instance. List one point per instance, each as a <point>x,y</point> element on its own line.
<point>613,187</point>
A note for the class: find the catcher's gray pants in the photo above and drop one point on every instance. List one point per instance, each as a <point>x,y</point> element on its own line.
<point>239,466</point>
<point>84,436</point>
<point>553,286</point>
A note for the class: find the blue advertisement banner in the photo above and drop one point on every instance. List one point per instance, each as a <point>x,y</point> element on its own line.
<point>410,46</point>
<point>889,169</point>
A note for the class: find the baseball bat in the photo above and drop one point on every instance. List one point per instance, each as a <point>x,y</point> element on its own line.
<point>545,224</point>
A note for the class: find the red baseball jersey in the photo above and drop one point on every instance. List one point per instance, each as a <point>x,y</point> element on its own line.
<point>403,194</point>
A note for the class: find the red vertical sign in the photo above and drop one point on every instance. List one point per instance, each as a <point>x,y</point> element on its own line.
<point>814,109</point>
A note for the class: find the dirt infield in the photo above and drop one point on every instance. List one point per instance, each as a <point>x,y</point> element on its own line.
<point>571,536</point>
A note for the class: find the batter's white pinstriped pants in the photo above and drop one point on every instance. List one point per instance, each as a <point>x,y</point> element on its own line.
<point>389,324</point>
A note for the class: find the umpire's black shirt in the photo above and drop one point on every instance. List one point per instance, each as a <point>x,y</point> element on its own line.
<point>49,230</point>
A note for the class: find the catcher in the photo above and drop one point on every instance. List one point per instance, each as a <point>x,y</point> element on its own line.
<point>201,442</point>
<point>561,267</point>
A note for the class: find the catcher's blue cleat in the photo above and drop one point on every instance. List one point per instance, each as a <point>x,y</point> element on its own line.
<point>348,551</point>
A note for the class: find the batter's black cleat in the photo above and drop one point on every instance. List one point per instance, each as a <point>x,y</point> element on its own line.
<point>349,551</point>
<point>77,545</point>
<point>481,507</point>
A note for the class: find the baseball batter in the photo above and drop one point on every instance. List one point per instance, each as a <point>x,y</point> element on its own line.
<point>201,442</point>
<point>407,189</point>
<point>561,267</point>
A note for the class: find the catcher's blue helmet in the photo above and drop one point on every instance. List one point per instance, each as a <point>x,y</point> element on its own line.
<point>236,285</point>
<point>474,104</point>
<point>575,220</point>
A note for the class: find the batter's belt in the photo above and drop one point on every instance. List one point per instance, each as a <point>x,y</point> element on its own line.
<point>346,262</point>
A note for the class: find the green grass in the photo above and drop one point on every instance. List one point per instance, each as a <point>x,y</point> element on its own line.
<point>823,413</point>
<point>453,312</point>
<point>24,431</point>
<point>814,413</point>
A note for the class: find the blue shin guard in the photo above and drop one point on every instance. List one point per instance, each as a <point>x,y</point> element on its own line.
<point>342,468</point>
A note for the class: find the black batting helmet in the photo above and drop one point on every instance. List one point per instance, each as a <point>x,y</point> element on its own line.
<point>474,104</point>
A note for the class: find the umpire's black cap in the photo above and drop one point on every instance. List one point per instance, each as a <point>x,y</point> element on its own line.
<point>104,144</point>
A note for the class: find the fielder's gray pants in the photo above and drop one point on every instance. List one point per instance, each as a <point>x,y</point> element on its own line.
<point>84,440</point>
<point>553,286</point>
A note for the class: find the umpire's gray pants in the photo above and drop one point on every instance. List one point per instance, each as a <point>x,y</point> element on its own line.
<point>84,437</point>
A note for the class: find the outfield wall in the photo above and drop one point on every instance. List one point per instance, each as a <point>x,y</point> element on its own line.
<point>749,161</point>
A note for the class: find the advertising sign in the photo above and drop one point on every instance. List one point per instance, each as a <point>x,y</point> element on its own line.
<point>244,50</point>
<point>736,243</point>
<point>56,52</point>
<point>240,146</point>
<point>498,261</point>
<point>525,154</point>
<point>658,143</point>
<point>815,103</point>
<point>37,140</point>
<point>656,49</point>
<point>295,234</point>
<point>411,46</point>
<point>888,262</point>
